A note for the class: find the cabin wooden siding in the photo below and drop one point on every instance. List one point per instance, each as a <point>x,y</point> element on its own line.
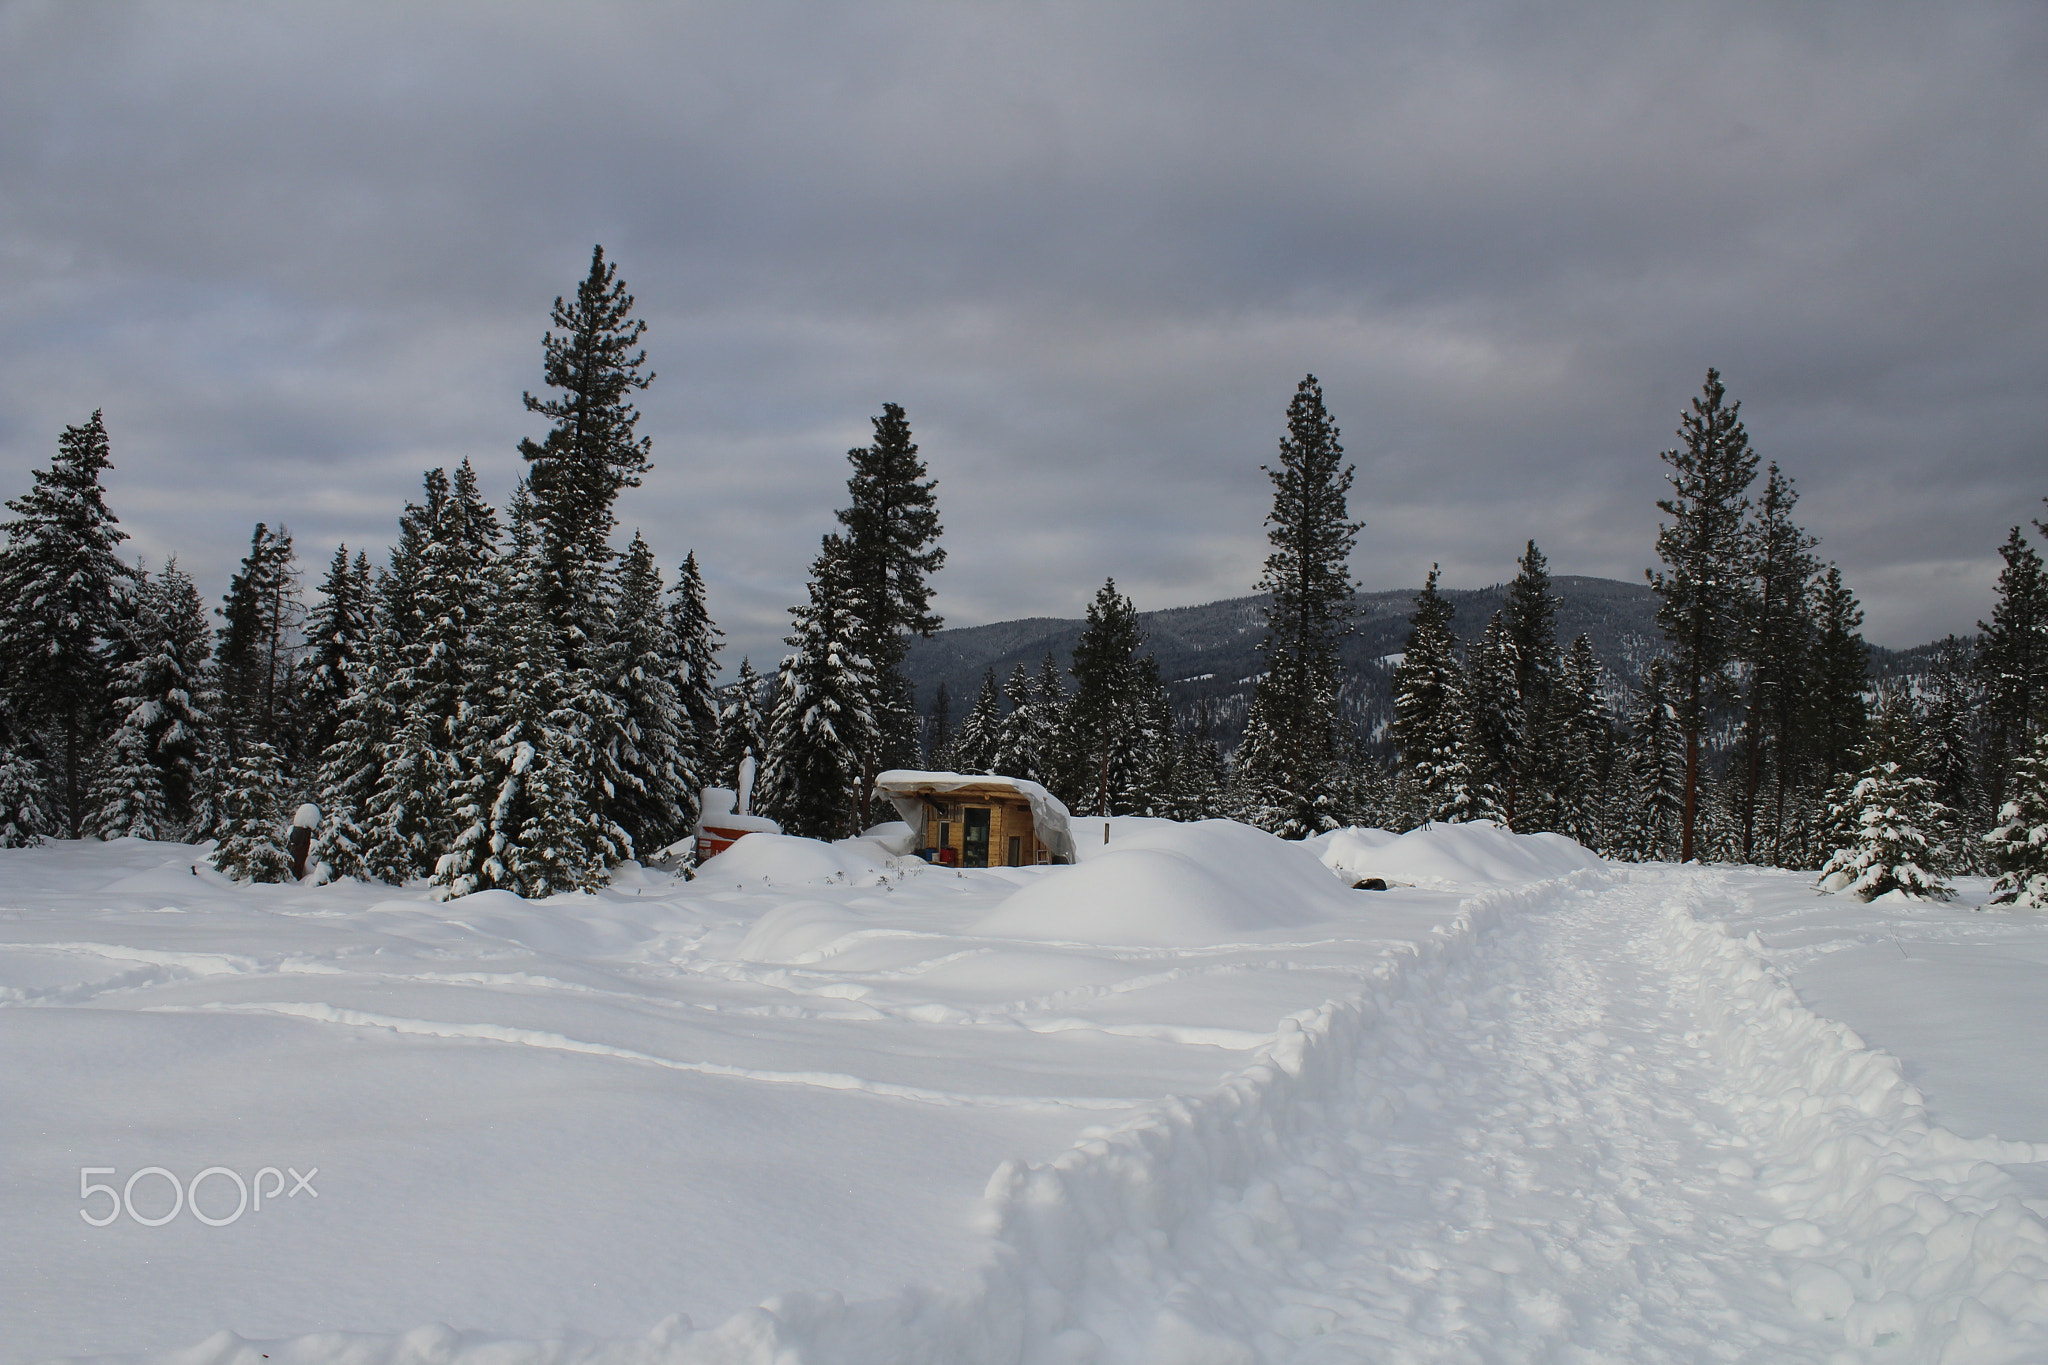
<point>1009,816</point>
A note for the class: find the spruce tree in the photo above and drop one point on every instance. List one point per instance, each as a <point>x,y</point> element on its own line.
<point>1648,825</point>
<point>1777,645</point>
<point>1894,813</point>
<point>1836,713</point>
<point>974,745</point>
<point>821,732</point>
<point>1494,722</point>
<point>59,581</point>
<point>257,667</point>
<point>696,680</point>
<point>337,631</point>
<point>1104,749</point>
<point>2012,658</point>
<point>1582,740</point>
<point>1951,702</point>
<point>25,815</point>
<point>742,725</point>
<point>892,550</point>
<point>1429,714</point>
<point>1020,738</point>
<point>2018,847</point>
<point>154,769</point>
<point>1705,592</point>
<point>1529,623</point>
<point>1308,575</point>
<point>590,455</point>
<point>645,764</point>
<point>254,796</point>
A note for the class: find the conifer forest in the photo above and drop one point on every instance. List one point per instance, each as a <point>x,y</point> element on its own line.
<point>508,698</point>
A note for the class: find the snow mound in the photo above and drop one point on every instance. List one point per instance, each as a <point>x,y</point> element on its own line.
<point>788,859</point>
<point>1175,885</point>
<point>1452,857</point>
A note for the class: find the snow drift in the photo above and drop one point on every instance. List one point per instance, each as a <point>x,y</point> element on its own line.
<point>1452,857</point>
<point>1175,885</point>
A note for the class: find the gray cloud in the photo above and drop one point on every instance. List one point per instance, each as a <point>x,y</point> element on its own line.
<point>299,254</point>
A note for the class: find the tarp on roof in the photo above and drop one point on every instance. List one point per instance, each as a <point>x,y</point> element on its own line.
<point>907,787</point>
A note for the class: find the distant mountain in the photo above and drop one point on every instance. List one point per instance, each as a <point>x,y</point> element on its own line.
<point>1209,653</point>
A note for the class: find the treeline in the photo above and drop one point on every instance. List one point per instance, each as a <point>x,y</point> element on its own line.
<point>510,701</point>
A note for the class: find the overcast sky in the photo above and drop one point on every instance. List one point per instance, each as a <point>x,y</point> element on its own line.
<point>301,253</point>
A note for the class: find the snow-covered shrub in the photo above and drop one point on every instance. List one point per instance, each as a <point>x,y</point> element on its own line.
<point>2018,848</point>
<point>1893,812</point>
<point>25,816</point>
<point>252,839</point>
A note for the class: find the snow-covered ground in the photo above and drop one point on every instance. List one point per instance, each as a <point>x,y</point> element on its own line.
<point>1191,1101</point>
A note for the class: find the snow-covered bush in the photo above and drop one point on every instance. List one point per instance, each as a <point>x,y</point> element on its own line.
<point>2018,848</point>
<point>1893,812</point>
<point>252,839</point>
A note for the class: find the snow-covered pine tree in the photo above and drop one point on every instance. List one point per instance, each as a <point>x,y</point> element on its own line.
<point>974,745</point>
<point>821,731</point>
<point>2012,660</point>
<point>1894,811</point>
<point>1528,622</point>
<point>337,631</point>
<point>1429,713</point>
<point>257,659</point>
<point>1647,827</point>
<point>696,681</point>
<point>590,455</point>
<point>1050,695</point>
<point>1199,773</point>
<point>644,758</point>
<point>1308,575</point>
<point>1835,682</point>
<point>25,815</point>
<point>254,798</point>
<point>742,726</point>
<point>892,550</point>
<point>1951,703</point>
<point>1018,751</point>
<point>1581,740</point>
<point>1706,589</point>
<point>2018,848</point>
<point>1102,762</point>
<point>160,698</point>
<point>523,821</point>
<point>1777,644</point>
<point>59,579</point>
<point>1494,723</point>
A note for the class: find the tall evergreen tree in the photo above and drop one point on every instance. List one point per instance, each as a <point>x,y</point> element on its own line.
<point>645,763</point>
<point>1650,820</point>
<point>337,632</point>
<point>1705,593</point>
<point>974,745</point>
<point>1020,739</point>
<point>1952,699</point>
<point>2012,656</point>
<point>1495,724</point>
<point>1582,740</point>
<point>258,651</point>
<point>590,455</point>
<point>1529,624</point>
<point>155,771</point>
<point>742,725</point>
<point>696,682</point>
<point>1429,713</point>
<point>2017,848</point>
<point>1308,575</point>
<point>892,550</point>
<point>1777,646</point>
<point>1103,761</point>
<point>59,580</point>
<point>821,730</point>
<point>1835,681</point>
<point>254,795</point>
<point>25,815</point>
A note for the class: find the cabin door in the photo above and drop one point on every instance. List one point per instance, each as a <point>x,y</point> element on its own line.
<point>974,837</point>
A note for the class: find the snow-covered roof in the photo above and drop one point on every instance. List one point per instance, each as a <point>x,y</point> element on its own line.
<point>905,786</point>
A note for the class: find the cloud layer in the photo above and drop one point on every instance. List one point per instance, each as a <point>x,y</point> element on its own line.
<point>299,254</point>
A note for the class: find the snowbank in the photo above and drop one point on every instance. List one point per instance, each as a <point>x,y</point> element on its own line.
<point>1175,885</point>
<point>1452,857</point>
<point>787,859</point>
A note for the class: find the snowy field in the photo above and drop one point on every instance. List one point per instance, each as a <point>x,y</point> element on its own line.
<point>1193,1101</point>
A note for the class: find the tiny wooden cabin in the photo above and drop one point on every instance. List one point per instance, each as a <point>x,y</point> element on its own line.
<point>972,820</point>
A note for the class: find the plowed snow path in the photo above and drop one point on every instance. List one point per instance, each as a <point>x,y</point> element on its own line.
<point>1544,1157</point>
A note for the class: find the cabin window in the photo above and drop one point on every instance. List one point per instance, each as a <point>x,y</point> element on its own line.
<point>974,837</point>
<point>1016,858</point>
